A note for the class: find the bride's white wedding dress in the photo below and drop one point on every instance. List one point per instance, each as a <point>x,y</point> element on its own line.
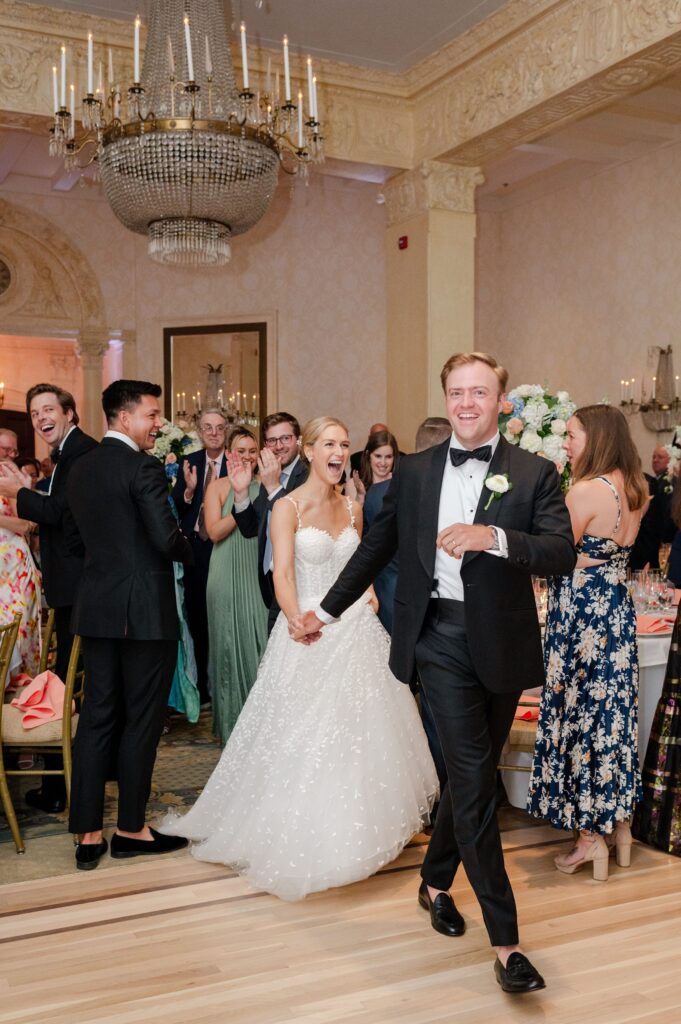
<point>327,774</point>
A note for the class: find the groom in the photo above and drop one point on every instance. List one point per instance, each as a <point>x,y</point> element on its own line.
<point>472,520</point>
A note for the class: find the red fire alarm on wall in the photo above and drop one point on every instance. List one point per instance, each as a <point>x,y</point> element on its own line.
<point>403,242</point>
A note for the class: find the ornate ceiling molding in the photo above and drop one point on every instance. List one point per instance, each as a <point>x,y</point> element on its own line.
<point>432,186</point>
<point>527,69</point>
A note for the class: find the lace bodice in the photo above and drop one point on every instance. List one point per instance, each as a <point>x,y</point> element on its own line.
<point>319,558</point>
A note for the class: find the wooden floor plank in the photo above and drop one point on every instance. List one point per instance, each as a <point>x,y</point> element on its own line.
<point>175,941</point>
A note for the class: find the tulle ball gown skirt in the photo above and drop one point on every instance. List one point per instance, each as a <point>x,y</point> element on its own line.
<point>327,774</point>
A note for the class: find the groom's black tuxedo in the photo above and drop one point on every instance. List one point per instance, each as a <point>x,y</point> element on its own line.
<point>500,614</point>
<point>473,656</point>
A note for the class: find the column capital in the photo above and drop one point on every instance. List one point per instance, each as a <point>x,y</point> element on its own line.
<point>431,186</point>
<point>92,343</point>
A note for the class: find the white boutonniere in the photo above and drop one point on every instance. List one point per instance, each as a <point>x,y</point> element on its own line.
<point>498,484</point>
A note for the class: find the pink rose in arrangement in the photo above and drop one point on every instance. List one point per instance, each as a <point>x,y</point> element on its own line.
<point>170,458</point>
<point>515,425</point>
<point>507,408</point>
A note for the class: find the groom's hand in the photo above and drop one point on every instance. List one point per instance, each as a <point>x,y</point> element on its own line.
<point>305,628</point>
<point>458,538</point>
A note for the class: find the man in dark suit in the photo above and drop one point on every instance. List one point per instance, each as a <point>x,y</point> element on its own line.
<point>281,471</point>
<point>657,526</point>
<point>472,519</point>
<point>196,472</point>
<point>126,614</point>
<point>55,420</point>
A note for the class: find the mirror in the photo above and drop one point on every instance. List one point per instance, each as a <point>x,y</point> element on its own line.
<point>218,367</point>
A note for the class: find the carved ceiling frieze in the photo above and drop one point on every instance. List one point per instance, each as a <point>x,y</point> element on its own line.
<point>528,68</point>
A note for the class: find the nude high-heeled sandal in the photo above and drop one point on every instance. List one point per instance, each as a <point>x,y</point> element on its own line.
<point>619,843</point>
<point>597,852</point>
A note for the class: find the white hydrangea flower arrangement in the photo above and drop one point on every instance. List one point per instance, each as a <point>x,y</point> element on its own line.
<point>172,443</point>
<point>536,420</point>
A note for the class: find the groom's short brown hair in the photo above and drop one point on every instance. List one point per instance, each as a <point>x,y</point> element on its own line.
<point>466,358</point>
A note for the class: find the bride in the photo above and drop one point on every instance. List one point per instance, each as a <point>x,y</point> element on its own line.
<point>327,773</point>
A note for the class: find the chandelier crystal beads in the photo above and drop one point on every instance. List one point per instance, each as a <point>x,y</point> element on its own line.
<point>184,156</point>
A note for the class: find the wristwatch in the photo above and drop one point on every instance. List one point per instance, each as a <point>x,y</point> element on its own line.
<point>496,546</point>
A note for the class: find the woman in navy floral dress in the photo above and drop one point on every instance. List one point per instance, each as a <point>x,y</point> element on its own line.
<point>586,773</point>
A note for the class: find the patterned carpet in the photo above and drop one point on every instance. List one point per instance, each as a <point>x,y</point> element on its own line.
<point>186,758</point>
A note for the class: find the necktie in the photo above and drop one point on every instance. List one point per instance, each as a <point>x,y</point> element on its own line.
<point>267,559</point>
<point>461,455</point>
<point>203,533</point>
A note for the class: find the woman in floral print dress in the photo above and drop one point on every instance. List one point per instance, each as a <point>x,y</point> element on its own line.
<point>19,589</point>
<point>585,773</point>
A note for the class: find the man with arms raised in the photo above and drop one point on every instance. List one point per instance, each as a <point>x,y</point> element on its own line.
<point>281,471</point>
<point>126,614</point>
<point>55,420</point>
<point>472,519</point>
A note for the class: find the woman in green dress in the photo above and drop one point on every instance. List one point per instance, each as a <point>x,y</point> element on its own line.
<point>237,617</point>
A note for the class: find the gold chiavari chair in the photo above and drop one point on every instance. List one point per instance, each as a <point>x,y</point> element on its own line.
<point>8,639</point>
<point>47,738</point>
<point>48,654</point>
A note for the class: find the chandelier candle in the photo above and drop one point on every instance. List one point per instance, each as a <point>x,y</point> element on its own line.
<point>111,74</point>
<point>314,98</point>
<point>72,123</point>
<point>55,88</point>
<point>63,77</point>
<point>244,54</point>
<point>188,47</point>
<point>209,62</point>
<point>310,104</point>
<point>136,52</point>
<point>300,120</point>
<point>287,73</point>
<point>90,68</point>
<point>171,59</point>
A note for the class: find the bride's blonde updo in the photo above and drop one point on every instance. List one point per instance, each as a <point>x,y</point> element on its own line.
<point>314,429</point>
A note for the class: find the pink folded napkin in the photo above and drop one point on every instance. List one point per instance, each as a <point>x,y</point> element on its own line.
<point>41,701</point>
<point>655,624</point>
<point>528,714</point>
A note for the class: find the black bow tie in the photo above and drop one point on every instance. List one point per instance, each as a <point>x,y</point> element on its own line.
<point>461,455</point>
<point>54,454</point>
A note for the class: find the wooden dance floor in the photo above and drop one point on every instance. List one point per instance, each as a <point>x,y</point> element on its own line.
<point>177,942</point>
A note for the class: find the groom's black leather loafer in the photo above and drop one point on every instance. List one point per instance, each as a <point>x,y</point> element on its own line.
<point>122,846</point>
<point>518,975</point>
<point>88,854</point>
<point>444,916</point>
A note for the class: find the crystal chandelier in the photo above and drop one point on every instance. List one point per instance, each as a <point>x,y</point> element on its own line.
<point>662,410</point>
<point>192,161</point>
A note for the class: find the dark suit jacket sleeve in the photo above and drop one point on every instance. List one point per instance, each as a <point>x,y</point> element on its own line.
<point>178,491</point>
<point>46,509</point>
<point>548,549</point>
<point>377,549</point>
<point>150,493</point>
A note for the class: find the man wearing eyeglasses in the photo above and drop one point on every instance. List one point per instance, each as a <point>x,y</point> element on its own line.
<point>196,472</point>
<point>281,471</point>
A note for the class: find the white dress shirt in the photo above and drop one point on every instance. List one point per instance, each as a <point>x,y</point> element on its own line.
<point>116,434</point>
<point>61,446</point>
<point>459,499</point>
